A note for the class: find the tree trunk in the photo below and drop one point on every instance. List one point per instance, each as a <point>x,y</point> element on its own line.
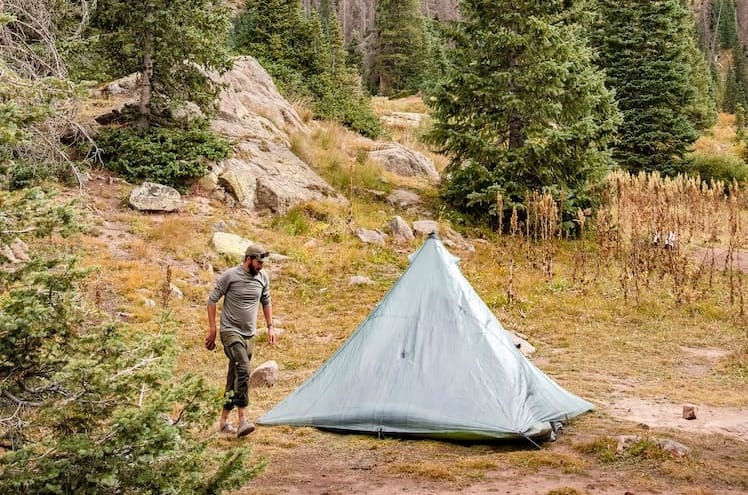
<point>146,82</point>
<point>516,137</point>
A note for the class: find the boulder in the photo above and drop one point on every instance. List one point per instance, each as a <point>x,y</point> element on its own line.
<point>425,227</point>
<point>403,198</point>
<point>400,229</point>
<point>249,92</point>
<point>403,161</point>
<point>265,375</point>
<point>370,236</point>
<point>230,244</point>
<point>262,174</point>
<point>150,196</point>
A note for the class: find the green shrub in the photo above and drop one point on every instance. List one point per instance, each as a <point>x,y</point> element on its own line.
<point>724,168</point>
<point>168,156</point>
<point>21,175</point>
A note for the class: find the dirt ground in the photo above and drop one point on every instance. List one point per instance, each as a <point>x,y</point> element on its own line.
<point>330,465</point>
<point>309,461</point>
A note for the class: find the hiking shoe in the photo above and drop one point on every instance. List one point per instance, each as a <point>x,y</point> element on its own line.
<point>228,429</point>
<point>245,428</point>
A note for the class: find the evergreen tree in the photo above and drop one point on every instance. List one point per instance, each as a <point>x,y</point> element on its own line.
<point>739,121</point>
<point>703,110</point>
<point>724,22</point>
<point>436,56</point>
<point>171,43</point>
<point>355,57</point>
<point>522,108</point>
<point>736,81</point>
<point>644,49</point>
<point>307,59</point>
<point>399,47</point>
<point>87,407</point>
<point>278,34</point>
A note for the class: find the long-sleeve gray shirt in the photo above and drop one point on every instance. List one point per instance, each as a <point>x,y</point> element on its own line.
<point>242,293</point>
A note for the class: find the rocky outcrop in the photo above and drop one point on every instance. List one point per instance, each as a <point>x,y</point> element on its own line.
<point>262,174</point>
<point>250,92</point>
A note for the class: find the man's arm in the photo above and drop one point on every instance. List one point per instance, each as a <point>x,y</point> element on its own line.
<point>210,340</point>
<point>267,310</point>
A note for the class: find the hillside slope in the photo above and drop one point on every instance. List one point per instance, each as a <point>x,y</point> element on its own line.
<point>637,364</point>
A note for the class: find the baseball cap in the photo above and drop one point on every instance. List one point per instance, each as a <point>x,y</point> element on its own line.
<point>256,251</point>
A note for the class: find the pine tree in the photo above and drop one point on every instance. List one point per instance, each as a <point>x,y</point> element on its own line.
<point>703,111</point>
<point>171,43</point>
<point>522,108</point>
<point>87,406</point>
<point>724,22</point>
<point>307,58</point>
<point>355,51</point>
<point>739,121</point>
<point>435,55</point>
<point>644,49</point>
<point>277,33</point>
<point>399,47</point>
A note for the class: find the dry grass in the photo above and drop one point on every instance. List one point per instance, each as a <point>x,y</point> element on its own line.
<point>594,334</point>
<point>412,104</point>
<point>720,140</point>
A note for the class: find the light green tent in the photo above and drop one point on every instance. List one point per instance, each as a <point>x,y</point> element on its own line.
<point>431,360</point>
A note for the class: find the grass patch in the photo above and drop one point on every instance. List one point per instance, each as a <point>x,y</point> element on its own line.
<point>536,460</point>
<point>589,337</point>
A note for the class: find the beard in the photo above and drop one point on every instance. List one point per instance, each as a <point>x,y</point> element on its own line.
<point>252,270</point>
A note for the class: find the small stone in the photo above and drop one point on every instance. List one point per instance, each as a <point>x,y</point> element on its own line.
<point>689,411</point>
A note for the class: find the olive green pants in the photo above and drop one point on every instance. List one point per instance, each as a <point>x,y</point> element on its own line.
<point>239,351</point>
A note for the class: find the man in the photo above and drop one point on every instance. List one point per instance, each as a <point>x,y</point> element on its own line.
<point>244,288</point>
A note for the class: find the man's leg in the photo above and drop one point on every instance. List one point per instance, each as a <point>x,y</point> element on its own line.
<point>229,392</point>
<point>241,353</point>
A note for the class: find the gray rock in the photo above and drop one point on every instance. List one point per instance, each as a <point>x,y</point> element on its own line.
<point>689,411</point>
<point>7,252</point>
<point>175,291</point>
<point>231,244</point>
<point>360,280</point>
<point>20,249</point>
<point>674,448</point>
<point>425,227</point>
<point>400,229</point>
<point>522,344</point>
<point>403,199</point>
<point>265,375</point>
<point>403,161</point>
<point>150,196</point>
<point>370,236</point>
<point>262,174</point>
<point>403,119</point>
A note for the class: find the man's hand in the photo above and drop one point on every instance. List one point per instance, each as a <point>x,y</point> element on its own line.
<point>271,334</point>
<point>210,340</point>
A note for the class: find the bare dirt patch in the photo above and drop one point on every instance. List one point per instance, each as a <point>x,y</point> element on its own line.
<point>739,257</point>
<point>732,422</point>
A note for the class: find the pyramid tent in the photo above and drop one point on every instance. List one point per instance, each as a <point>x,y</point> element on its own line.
<point>430,360</point>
